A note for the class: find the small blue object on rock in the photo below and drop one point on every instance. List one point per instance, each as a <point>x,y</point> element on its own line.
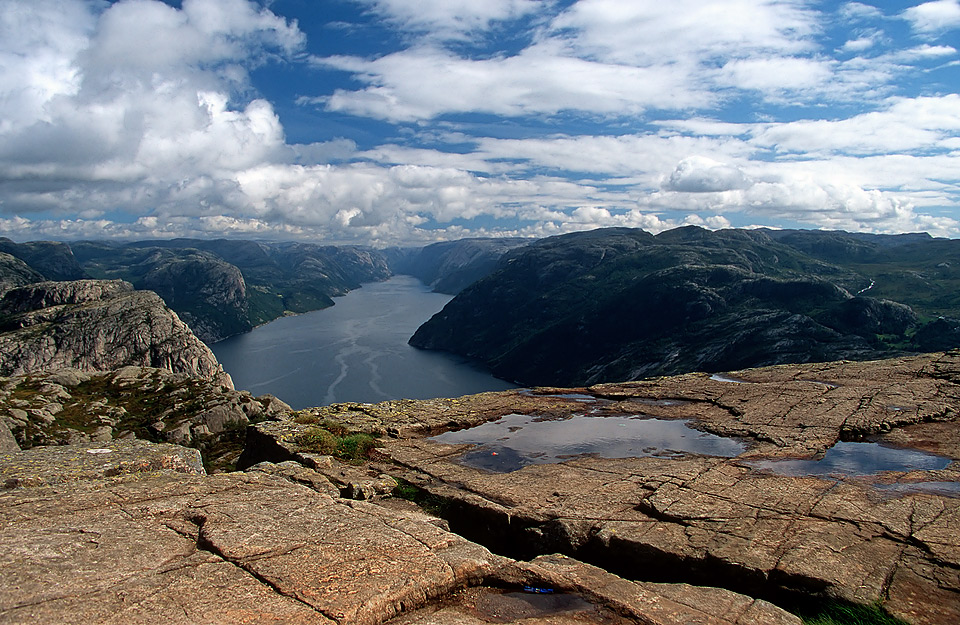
<point>539,591</point>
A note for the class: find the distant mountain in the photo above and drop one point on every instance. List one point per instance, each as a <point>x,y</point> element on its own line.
<point>54,260</point>
<point>224,287</point>
<point>451,266</point>
<point>622,304</point>
<point>221,287</point>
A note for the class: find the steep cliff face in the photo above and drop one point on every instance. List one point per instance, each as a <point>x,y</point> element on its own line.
<point>209,294</point>
<point>96,325</point>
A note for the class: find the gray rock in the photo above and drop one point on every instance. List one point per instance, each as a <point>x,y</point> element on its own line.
<point>69,377</point>
<point>55,464</point>
<point>98,325</point>
<point>8,444</point>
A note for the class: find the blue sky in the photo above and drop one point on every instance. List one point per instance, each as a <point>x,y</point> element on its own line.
<point>408,121</point>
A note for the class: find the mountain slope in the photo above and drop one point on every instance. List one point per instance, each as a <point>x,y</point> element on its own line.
<point>621,304</point>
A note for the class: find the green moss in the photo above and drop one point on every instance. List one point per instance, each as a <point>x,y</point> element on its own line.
<point>429,502</point>
<point>356,446</point>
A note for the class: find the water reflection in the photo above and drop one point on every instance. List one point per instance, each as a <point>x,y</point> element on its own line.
<point>854,458</point>
<point>515,441</point>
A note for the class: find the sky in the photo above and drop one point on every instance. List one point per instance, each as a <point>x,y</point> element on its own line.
<point>403,122</point>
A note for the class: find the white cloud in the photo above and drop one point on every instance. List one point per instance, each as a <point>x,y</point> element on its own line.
<point>906,125</point>
<point>857,11</point>
<point>125,106</point>
<point>451,19</point>
<point>681,31</point>
<point>534,82</point>
<point>933,17</point>
<point>775,75</point>
<point>697,174</point>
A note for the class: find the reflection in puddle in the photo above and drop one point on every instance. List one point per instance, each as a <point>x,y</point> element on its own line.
<point>515,441</point>
<point>857,459</point>
<point>725,378</point>
<point>512,606</point>
<point>949,489</point>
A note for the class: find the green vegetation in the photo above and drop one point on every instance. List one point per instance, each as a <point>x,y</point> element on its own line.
<point>430,503</point>
<point>332,439</point>
<point>842,613</point>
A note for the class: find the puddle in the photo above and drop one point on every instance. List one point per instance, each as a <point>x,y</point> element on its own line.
<point>855,458</point>
<point>511,606</point>
<point>492,606</point>
<point>574,396</point>
<point>515,441</point>
<point>725,378</point>
<point>949,489</point>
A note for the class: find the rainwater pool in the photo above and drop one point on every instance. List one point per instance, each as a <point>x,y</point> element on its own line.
<point>515,440</point>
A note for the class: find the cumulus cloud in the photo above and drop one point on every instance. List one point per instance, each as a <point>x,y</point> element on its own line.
<point>697,174</point>
<point>101,116</point>
<point>122,106</point>
<point>933,17</point>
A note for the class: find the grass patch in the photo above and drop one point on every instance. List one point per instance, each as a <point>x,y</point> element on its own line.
<point>842,613</point>
<point>332,439</point>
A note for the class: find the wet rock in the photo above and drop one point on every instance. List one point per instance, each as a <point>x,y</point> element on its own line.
<point>70,463</point>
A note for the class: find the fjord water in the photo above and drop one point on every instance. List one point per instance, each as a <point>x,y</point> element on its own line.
<point>354,351</point>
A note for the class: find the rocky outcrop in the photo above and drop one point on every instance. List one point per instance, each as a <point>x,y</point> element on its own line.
<point>44,466</point>
<point>254,548</point>
<point>71,406</point>
<point>736,523</point>
<point>95,325</point>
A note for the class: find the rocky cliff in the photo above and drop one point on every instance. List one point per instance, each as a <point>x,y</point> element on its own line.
<point>622,304</point>
<point>95,325</point>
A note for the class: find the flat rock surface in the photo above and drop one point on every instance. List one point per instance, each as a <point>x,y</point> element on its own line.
<point>257,548</point>
<point>231,548</point>
<point>43,466</point>
<point>889,536</point>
